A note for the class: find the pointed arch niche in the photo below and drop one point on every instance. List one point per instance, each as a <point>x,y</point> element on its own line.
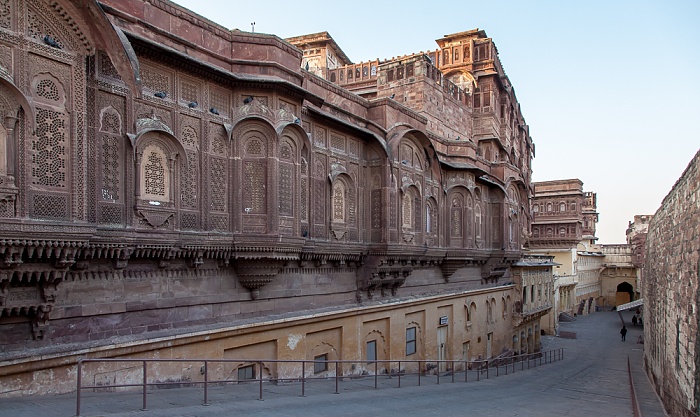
<point>159,160</point>
<point>15,109</point>
<point>343,201</point>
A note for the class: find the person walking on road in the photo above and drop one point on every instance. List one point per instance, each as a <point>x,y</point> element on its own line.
<point>623,332</point>
<point>634,320</point>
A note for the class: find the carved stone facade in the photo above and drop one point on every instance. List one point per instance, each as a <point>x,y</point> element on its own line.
<point>563,226</point>
<point>159,173</point>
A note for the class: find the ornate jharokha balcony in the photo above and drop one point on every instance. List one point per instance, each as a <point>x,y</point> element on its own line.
<point>534,313</point>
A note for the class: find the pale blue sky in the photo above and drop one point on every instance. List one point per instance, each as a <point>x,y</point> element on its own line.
<point>610,88</point>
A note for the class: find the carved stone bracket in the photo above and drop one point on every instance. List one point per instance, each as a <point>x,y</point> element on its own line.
<point>122,259</point>
<point>255,274</point>
<point>196,260</point>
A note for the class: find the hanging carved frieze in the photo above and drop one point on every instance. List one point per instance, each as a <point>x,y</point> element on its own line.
<point>254,106</point>
<point>30,289</point>
<point>383,273</point>
<point>156,218</point>
<point>253,274</point>
<point>450,265</point>
<point>496,269</point>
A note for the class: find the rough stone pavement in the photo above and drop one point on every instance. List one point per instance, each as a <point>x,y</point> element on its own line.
<point>591,380</point>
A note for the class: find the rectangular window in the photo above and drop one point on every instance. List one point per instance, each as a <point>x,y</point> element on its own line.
<point>410,341</point>
<point>320,363</point>
<point>371,351</point>
<point>246,372</point>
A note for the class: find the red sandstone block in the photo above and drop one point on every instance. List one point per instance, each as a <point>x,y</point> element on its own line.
<point>186,30</point>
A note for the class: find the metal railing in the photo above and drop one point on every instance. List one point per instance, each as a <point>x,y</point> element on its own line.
<point>380,368</point>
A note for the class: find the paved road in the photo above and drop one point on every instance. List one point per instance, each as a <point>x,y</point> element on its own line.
<point>591,380</point>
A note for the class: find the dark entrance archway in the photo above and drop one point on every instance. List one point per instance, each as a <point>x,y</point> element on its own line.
<point>624,294</point>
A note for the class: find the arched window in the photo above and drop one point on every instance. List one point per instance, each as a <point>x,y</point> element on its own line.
<point>49,148</point>
<point>535,208</point>
<point>562,207</point>
<point>456,216</point>
<point>155,174</point>
<point>477,221</point>
<point>489,312</point>
<point>3,152</point>
<point>110,152</point>
<point>339,202</point>
<point>287,179</point>
<point>407,211</point>
<point>333,77</point>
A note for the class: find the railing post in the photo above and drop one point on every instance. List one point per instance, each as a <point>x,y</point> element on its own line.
<point>452,366</point>
<point>261,379</point>
<point>376,369</point>
<point>438,372</point>
<point>498,368</point>
<point>487,368</point>
<point>399,372</point>
<point>420,369</point>
<point>144,408</point>
<point>522,362</point>
<point>337,367</point>
<point>80,383</point>
<point>303,377</point>
<point>478,371</point>
<point>206,383</point>
<point>466,371</point>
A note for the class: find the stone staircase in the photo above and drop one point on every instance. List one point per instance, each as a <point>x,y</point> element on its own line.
<point>566,317</point>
